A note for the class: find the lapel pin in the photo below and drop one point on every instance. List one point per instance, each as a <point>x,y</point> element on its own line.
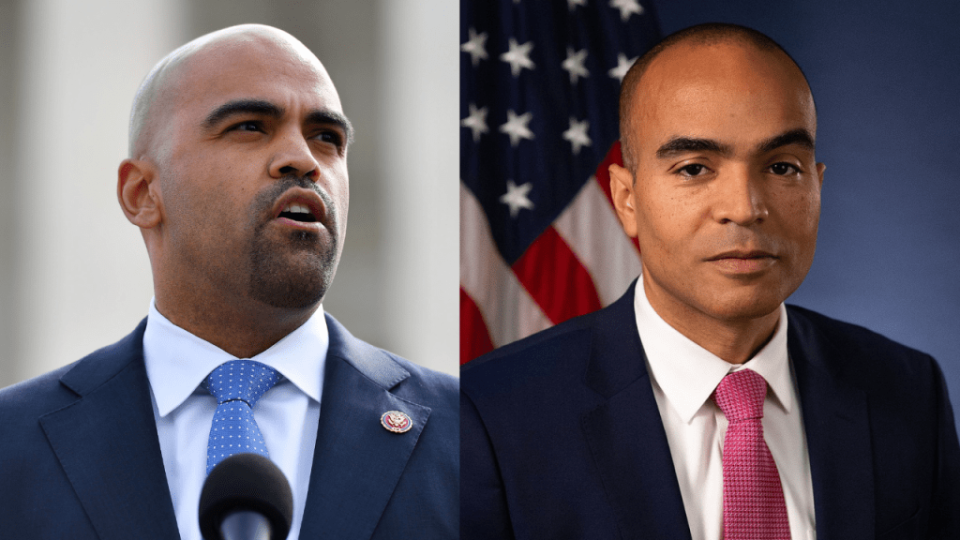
<point>396,422</point>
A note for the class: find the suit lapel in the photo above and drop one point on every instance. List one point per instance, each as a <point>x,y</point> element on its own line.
<point>357,463</point>
<point>835,418</point>
<point>625,433</point>
<point>645,493</point>
<point>108,446</point>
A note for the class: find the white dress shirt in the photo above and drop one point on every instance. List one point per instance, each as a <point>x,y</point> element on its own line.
<point>288,414</point>
<point>684,376</point>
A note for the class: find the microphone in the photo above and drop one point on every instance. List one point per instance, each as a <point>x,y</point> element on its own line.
<point>246,497</point>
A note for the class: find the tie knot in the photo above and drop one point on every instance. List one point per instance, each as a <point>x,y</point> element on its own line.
<point>740,395</point>
<point>245,380</point>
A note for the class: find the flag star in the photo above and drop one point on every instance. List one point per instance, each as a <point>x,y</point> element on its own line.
<point>574,3</point>
<point>518,57</point>
<point>516,127</point>
<point>574,64</point>
<point>477,121</point>
<point>476,46</point>
<point>627,7</point>
<point>516,197</point>
<point>623,66</point>
<point>577,134</point>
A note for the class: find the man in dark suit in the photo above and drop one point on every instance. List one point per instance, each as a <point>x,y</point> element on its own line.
<point>237,179</point>
<point>619,424</point>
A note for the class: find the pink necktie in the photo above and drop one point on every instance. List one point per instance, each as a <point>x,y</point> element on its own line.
<point>753,506</point>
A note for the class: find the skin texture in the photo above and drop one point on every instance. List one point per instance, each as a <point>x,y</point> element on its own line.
<point>743,192</point>
<point>206,195</point>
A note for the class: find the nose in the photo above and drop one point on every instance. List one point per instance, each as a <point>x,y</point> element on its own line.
<point>740,198</point>
<point>293,156</point>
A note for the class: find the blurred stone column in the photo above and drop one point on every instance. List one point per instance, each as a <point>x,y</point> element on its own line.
<point>9,66</point>
<point>75,272</point>
<point>420,169</point>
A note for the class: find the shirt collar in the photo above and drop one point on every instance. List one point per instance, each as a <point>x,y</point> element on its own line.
<point>688,374</point>
<point>178,361</point>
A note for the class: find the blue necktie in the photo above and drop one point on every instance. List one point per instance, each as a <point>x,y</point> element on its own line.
<point>237,385</point>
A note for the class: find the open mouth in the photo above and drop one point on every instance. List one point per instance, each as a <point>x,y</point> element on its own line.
<point>300,208</point>
<point>298,212</point>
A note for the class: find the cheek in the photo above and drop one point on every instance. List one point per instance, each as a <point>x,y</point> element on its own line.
<point>803,215</point>
<point>343,197</point>
<point>205,206</point>
<point>337,186</point>
<point>799,222</point>
<point>666,221</point>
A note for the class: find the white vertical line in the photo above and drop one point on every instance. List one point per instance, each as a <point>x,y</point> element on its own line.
<point>420,142</point>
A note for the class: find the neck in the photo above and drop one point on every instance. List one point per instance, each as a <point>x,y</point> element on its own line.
<point>735,340</point>
<point>243,330</point>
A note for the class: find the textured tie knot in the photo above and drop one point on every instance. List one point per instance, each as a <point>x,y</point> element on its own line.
<point>243,380</point>
<point>237,385</point>
<point>740,395</point>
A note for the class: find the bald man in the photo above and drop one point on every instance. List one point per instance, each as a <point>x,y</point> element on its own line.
<point>237,180</point>
<point>699,406</point>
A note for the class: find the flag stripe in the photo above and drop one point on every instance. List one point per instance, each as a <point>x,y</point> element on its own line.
<point>474,338</point>
<point>555,278</point>
<point>504,304</point>
<point>540,240</point>
<point>591,229</point>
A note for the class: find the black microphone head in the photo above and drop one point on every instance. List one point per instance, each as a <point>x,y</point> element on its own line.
<point>248,482</point>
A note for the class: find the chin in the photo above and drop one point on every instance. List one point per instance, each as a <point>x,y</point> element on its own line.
<point>296,294</point>
<point>743,305</point>
<point>296,281</point>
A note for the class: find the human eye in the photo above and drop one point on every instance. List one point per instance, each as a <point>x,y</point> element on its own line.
<point>783,169</point>
<point>693,170</point>
<point>247,125</point>
<point>330,136</point>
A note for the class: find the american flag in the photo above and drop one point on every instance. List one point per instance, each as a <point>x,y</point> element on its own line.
<point>539,85</point>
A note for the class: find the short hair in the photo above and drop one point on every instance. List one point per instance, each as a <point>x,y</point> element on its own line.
<point>144,99</point>
<point>155,83</point>
<point>701,34</point>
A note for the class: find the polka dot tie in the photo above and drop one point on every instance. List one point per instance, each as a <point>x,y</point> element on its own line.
<point>237,385</point>
<point>753,505</point>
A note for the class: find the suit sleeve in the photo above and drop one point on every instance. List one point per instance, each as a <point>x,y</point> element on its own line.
<point>945,517</point>
<point>483,503</point>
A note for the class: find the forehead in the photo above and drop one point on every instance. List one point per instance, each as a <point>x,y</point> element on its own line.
<point>724,90</point>
<point>253,67</point>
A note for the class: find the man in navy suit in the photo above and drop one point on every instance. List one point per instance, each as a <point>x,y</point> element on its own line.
<point>237,179</point>
<point>607,426</point>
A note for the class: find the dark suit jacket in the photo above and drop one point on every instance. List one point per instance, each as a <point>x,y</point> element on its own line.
<point>80,458</point>
<point>561,436</point>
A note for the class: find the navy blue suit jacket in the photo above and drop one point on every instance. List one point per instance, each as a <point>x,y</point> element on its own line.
<point>80,457</point>
<point>561,436</point>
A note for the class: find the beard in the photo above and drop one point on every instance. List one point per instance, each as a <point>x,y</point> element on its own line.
<point>297,274</point>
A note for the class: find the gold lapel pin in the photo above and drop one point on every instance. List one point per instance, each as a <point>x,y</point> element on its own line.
<point>396,421</point>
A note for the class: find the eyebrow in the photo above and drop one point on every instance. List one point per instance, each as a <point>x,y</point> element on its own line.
<point>680,145</point>
<point>797,136</point>
<point>340,120</point>
<point>266,108</point>
<point>242,106</point>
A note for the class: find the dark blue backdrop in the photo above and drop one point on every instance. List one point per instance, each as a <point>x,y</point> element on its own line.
<point>886,80</point>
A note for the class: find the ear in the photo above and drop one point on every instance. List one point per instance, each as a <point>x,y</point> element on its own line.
<point>820,168</point>
<point>621,189</point>
<point>138,197</point>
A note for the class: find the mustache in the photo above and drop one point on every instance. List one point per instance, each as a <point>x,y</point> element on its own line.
<point>264,201</point>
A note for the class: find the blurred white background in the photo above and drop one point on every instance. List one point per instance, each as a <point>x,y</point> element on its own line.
<point>74,274</point>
